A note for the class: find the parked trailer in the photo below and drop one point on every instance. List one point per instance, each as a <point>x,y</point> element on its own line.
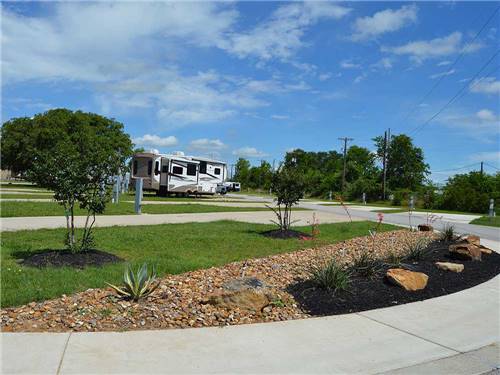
<point>176,174</point>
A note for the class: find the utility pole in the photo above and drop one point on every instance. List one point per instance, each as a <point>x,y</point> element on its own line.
<point>482,168</point>
<point>384,165</point>
<point>345,139</point>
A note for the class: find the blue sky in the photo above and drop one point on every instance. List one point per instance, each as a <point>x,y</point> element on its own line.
<point>256,79</point>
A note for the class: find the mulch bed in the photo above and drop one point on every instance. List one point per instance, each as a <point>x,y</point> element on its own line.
<point>180,300</point>
<point>285,234</point>
<point>366,294</point>
<point>65,258</point>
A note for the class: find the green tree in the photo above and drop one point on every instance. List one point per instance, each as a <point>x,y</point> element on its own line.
<point>288,186</point>
<point>406,168</point>
<point>471,192</point>
<point>75,154</point>
<point>242,172</point>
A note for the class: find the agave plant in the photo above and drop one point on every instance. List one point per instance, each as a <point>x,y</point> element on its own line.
<point>137,285</point>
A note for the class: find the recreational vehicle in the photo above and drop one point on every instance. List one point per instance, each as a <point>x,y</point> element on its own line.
<point>177,174</point>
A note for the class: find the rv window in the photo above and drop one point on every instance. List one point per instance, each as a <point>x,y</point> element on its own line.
<point>135,167</point>
<point>150,167</point>
<point>217,170</point>
<point>157,167</point>
<point>203,167</point>
<point>191,170</point>
<point>177,170</point>
<point>164,169</point>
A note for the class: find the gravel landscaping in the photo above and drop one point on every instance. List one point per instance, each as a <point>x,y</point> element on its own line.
<point>206,297</point>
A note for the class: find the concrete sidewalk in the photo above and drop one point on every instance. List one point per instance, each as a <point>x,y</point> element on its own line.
<point>264,217</point>
<point>457,333</point>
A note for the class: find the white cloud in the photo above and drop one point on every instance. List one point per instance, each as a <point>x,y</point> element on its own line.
<point>360,78</point>
<point>443,63</point>
<point>155,141</point>
<point>205,144</point>
<point>347,64</point>
<point>249,152</point>
<point>421,50</point>
<point>443,74</point>
<point>384,63</point>
<point>382,22</point>
<point>280,36</point>
<point>483,122</point>
<point>325,76</point>
<point>487,85</point>
<point>492,156</point>
<point>84,40</point>
<point>280,117</point>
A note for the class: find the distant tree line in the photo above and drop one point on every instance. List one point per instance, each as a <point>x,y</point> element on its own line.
<point>406,175</point>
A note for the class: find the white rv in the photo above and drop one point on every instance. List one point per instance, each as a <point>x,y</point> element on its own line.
<point>177,174</point>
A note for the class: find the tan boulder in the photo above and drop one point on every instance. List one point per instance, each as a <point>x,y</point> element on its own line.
<point>447,266</point>
<point>249,300</point>
<point>473,239</point>
<point>409,280</point>
<point>465,251</point>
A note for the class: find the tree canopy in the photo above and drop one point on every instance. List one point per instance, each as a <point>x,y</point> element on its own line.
<point>71,153</point>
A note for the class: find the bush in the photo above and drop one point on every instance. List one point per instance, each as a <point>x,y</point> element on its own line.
<point>417,250</point>
<point>470,192</point>
<point>448,233</point>
<point>401,197</point>
<point>331,276</point>
<point>366,265</point>
<point>137,285</point>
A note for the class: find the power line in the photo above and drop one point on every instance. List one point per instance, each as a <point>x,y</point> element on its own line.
<point>421,126</point>
<point>456,169</point>
<point>459,57</point>
<point>492,166</point>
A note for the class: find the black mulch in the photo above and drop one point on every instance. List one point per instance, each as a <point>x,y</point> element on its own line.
<point>285,234</point>
<point>65,258</point>
<point>366,294</point>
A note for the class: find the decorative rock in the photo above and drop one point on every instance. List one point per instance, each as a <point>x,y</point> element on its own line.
<point>465,251</point>
<point>409,280</point>
<point>473,239</point>
<point>243,283</point>
<point>485,250</point>
<point>248,300</point>
<point>447,266</point>
<point>425,228</point>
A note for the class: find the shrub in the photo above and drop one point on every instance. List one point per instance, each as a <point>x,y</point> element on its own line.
<point>137,285</point>
<point>366,265</point>
<point>448,233</point>
<point>417,250</point>
<point>393,259</point>
<point>288,185</point>
<point>331,276</point>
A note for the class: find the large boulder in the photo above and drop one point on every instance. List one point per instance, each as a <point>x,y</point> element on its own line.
<point>447,266</point>
<point>473,239</point>
<point>245,293</point>
<point>465,251</point>
<point>409,280</point>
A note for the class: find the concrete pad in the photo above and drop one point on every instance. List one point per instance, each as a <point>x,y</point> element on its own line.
<point>342,344</point>
<point>32,353</point>
<point>479,361</point>
<point>462,321</point>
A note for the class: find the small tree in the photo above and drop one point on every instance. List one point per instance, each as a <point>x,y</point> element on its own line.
<point>75,154</point>
<point>288,185</point>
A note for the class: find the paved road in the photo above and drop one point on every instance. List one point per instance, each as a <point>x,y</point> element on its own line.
<point>460,222</point>
<point>264,217</point>
<point>453,334</point>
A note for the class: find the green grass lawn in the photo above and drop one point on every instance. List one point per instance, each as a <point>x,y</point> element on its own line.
<point>26,196</point>
<point>173,248</point>
<point>19,185</point>
<point>488,221</point>
<point>23,209</point>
